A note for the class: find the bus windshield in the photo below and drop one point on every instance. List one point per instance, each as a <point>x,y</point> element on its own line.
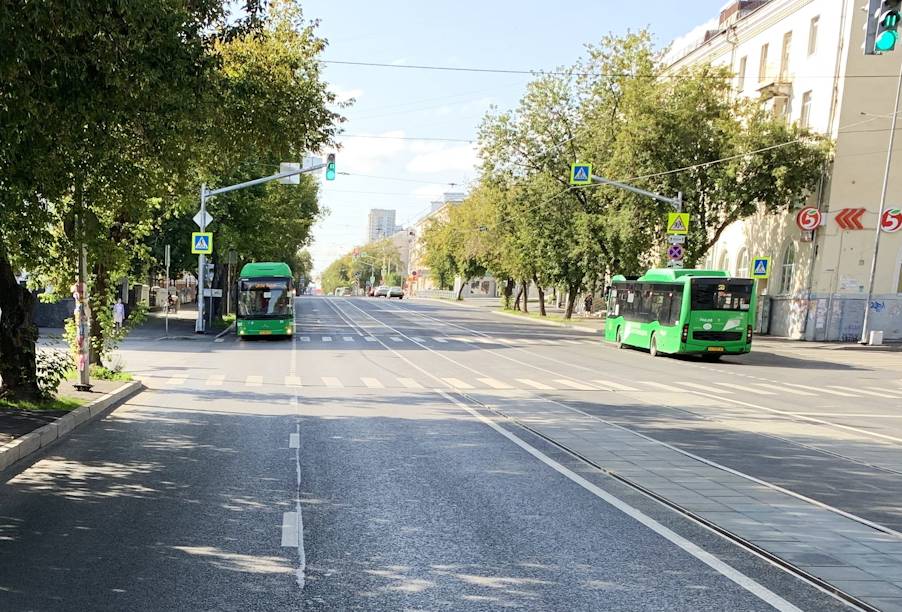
<point>264,299</point>
<point>712,294</point>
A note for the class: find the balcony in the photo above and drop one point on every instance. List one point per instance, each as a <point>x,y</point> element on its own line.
<point>775,84</point>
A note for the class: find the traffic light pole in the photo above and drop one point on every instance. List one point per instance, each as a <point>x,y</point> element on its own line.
<point>200,325</point>
<point>676,202</point>
<point>889,159</point>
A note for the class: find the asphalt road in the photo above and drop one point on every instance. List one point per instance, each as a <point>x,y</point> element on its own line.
<point>350,469</point>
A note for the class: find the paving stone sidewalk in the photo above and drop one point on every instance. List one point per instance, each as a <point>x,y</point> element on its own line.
<point>858,559</point>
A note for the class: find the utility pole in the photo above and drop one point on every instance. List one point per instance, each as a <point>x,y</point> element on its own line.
<point>166,257</point>
<point>201,264</point>
<point>82,315</point>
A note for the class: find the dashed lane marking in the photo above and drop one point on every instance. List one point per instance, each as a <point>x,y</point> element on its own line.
<point>898,393</point>
<point>293,381</point>
<point>334,383</point>
<point>369,339</point>
<point>495,384</point>
<point>215,380</point>
<point>706,388</point>
<point>348,339</point>
<point>290,529</point>
<point>410,383</point>
<point>822,390</point>
<point>441,340</point>
<point>573,384</point>
<point>418,339</point>
<point>305,338</point>
<point>327,339</point>
<point>661,386</point>
<point>782,389</point>
<point>534,384</point>
<point>457,384</point>
<point>372,383</point>
<point>865,392</point>
<point>294,440</point>
<point>397,339</point>
<point>745,389</point>
<point>177,379</point>
<point>612,386</point>
<point>254,381</point>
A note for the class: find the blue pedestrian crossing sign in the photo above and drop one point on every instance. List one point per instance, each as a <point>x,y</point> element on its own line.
<point>202,243</point>
<point>580,174</point>
<point>761,267</point>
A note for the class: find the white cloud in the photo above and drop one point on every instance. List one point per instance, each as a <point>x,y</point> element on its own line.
<point>425,146</point>
<point>343,95</point>
<point>368,154</point>
<point>398,62</point>
<point>693,36</point>
<point>456,158</point>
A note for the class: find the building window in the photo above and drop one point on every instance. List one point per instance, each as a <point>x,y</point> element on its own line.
<point>899,273</point>
<point>812,35</point>
<point>725,262</point>
<point>762,67</point>
<point>784,58</point>
<point>741,75</point>
<point>788,268</point>
<point>781,107</point>
<point>743,271</point>
<point>806,110</point>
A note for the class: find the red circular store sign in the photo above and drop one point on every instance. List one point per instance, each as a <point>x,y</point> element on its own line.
<point>891,221</point>
<point>808,218</point>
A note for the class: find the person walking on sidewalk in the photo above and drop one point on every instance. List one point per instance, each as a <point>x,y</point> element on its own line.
<point>118,314</point>
<point>587,304</point>
<point>173,303</point>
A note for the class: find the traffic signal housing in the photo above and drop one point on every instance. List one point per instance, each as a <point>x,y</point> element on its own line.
<point>330,167</point>
<point>882,27</point>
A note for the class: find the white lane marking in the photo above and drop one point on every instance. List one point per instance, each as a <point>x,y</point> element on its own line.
<point>885,390</point>
<point>874,393</point>
<point>534,384</point>
<point>670,388</point>
<point>397,339</point>
<point>372,383</point>
<point>528,341</point>
<point>215,380</point>
<point>549,341</point>
<point>219,340</point>
<point>369,339</point>
<point>332,382</point>
<point>745,389</point>
<point>705,557</point>
<point>782,389</point>
<point>613,386</point>
<point>457,384</point>
<point>177,379</point>
<point>348,339</point>
<point>575,384</point>
<point>327,339</point>
<point>294,440</point>
<point>305,338</point>
<point>293,381</point>
<point>703,387</point>
<point>410,383</point>
<point>851,415</point>
<point>254,381</point>
<point>568,341</point>
<point>290,529</point>
<point>507,341</point>
<point>441,340</point>
<point>495,384</point>
<point>419,340</point>
<point>822,390</point>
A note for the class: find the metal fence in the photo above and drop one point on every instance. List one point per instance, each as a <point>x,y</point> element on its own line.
<point>435,293</point>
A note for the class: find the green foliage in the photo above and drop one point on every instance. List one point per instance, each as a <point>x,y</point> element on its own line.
<point>340,272</point>
<point>59,403</point>
<point>52,367</point>
<point>108,341</point>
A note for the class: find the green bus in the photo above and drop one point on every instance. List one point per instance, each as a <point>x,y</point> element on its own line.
<point>701,312</point>
<point>265,300</point>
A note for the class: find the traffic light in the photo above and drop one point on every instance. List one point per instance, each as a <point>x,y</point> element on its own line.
<point>330,167</point>
<point>882,25</point>
<point>208,273</point>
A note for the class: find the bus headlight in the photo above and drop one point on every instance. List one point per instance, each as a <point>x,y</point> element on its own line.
<point>289,330</point>
<point>685,335</point>
<point>748,335</point>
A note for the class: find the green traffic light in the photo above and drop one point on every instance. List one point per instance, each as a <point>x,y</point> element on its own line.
<point>330,172</point>
<point>886,41</point>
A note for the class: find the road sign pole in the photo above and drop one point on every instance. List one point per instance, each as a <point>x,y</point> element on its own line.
<point>889,159</point>
<point>167,289</point>
<point>201,264</point>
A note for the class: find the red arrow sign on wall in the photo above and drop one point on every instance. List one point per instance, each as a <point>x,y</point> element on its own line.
<point>850,218</point>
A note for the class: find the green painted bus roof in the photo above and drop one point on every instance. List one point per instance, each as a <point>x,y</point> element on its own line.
<point>277,269</point>
<point>669,275</point>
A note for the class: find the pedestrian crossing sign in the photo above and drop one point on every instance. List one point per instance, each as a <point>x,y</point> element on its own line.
<point>580,174</point>
<point>761,267</point>
<point>202,243</point>
<point>677,223</point>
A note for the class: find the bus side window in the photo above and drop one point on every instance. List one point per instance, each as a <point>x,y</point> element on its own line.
<point>676,306</point>
<point>664,311</point>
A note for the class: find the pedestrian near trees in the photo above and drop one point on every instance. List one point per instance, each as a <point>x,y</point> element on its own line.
<point>118,314</point>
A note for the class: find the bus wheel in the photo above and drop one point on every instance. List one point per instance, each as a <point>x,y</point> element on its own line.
<point>619,340</point>
<point>653,346</point>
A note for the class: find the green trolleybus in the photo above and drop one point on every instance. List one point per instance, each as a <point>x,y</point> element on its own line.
<point>702,312</point>
<point>265,300</point>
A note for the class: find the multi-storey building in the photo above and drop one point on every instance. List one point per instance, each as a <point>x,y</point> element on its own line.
<point>380,224</point>
<point>805,58</point>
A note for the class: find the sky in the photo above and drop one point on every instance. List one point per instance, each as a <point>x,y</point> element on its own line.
<point>410,133</point>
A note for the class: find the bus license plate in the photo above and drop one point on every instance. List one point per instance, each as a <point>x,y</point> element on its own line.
<point>716,349</point>
<point>266,332</point>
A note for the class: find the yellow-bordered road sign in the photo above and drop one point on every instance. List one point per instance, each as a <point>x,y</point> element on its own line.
<point>202,243</point>
<point>761,267</point>
<point>677,223</point>
<point>580,174</point>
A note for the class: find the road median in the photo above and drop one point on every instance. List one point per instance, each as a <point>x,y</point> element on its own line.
<point>25,445</point>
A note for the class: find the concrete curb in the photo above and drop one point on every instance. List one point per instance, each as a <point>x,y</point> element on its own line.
<point>225,331</point>
<point>21,447</point>
<point>579,328</point>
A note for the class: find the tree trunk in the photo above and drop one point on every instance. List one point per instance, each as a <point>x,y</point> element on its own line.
<point>98,300</point>
<point>460,290</point>
<point>508,292</point>
<point>517,298</point>
<point>524,289</point>
<point>541,291</point>
<point>571,299</point>
<point>18,337</point>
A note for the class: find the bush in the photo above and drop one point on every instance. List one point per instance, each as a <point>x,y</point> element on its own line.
<point>53,366</point>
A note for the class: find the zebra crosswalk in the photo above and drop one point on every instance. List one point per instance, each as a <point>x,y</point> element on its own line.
<point>735,390</point>
<point>480,340</point>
